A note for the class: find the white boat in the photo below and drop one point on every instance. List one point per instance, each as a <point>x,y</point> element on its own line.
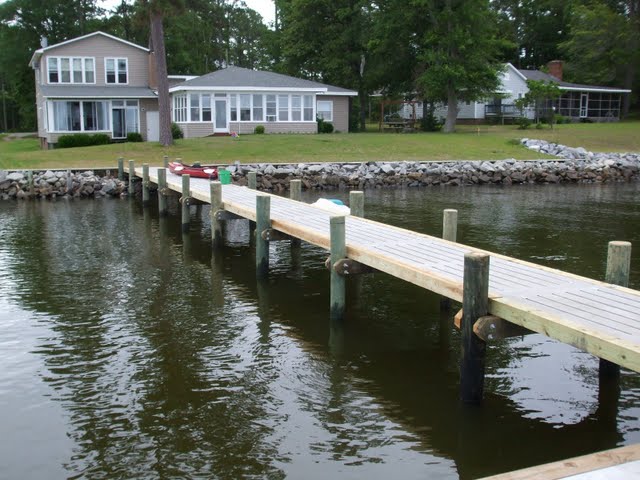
<point>332,205</point>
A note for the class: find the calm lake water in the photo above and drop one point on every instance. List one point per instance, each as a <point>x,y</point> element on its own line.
<point>128,351</point>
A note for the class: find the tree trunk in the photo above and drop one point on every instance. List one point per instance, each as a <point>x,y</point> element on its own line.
<point>164,105</point>
<point>452,111</point>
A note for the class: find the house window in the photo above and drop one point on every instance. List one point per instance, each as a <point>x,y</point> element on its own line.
<point>195,107</point>
<point>325,110</point>
<point>65,70</point>
<point>53,70</point>
<point>245,108</point>
<point>308,108</point>
<point>283,108</point>
<point>296,108</point>
<point>234,107</point>
<point>258,108</point>
<point>79,116</point>
<point>125,117</point>
<point>206,107</point>
<point>271,108</point>
<point>180,108</point>
<point>116,70</point>
<point>70,70</point>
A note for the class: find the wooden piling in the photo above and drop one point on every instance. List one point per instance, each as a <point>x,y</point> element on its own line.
<point>295,193</point>
<point>145,184</point>
<point>263,222</point>
<point>69,183</point>
<point>338,252</point>
<point>30,182</point>
<point>449,232</point>
<point>618,268</point>
<point>217,239</point>
<point>184,200</point>
<point>356,203</point>
<point>132,176</point>
<point>165,161</point>
<point>120,168</point>
<point>475,304</point>
<point>253,180</point>
<point>162,185</point>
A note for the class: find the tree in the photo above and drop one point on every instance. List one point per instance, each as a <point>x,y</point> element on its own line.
<point>156,10</point>
<point>541,95</point>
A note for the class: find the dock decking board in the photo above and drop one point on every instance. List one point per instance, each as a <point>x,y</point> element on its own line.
<point>594,316</point>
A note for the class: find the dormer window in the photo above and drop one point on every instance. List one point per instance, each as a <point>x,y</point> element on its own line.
<point>70,70</point>
<point>116,70</point>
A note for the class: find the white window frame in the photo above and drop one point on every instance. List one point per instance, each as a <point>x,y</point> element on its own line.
<point>51,113</point>
<point>115,60</point>
<point>71,59</point>
<point>180,110</point>
<point>124,107</point>
<point>330,102</point>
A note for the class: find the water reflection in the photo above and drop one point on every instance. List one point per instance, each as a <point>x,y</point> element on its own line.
<point>154,358</point>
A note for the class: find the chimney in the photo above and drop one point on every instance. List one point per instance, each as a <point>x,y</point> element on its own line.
<point>555,68</point>
<point>44,43</point>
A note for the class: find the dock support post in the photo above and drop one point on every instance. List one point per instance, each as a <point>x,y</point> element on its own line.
<point>618,267</point>
<point>165,161</point>
<point>184,200</point>
<point>30,182</point>
<point>120,168</point>
<point>69,183</point>
<point>450,233</point>
<point>295,193</point>
<point>263,222</point>
<point>145,184</point>
<point>217,240</point>
<point>475,304</point>
<point>252,179</point>
<point>356,203</point>
<point>162,198</point>
<point>132,175</point>
<point>338,252</point>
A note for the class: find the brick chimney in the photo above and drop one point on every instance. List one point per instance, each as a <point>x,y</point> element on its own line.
<point>555,68</point>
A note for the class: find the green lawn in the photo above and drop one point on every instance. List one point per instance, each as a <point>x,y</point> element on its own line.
<point>470,143</point>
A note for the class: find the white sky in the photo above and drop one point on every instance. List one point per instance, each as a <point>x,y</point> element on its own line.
<point>265,8</point>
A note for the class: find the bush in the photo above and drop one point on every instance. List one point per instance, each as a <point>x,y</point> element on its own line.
<point>539,126</point>
<point>431,123</point>
<point>560,119</point>
<point>324,127</point>
<point>134,137</point>
<point>176,131</point>
<point>259,130</point>
<point>83,140</point>
<point>524,123</point>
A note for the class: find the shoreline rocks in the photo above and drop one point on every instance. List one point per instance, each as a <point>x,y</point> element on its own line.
<point>574,165</point>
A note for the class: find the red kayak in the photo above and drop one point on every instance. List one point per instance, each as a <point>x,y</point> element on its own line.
<point>195,170</point>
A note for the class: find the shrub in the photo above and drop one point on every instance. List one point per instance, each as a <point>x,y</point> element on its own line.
<point>324,127</point>
<point>259,130</point>
<point>134,137</point>
<point>431,123</point>
<point>83,140</point>
<point>176,131</point>
<point>560,119</point>
<point>539,126</point>
<point>524,123</point>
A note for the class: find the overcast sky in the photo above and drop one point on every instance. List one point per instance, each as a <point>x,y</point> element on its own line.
<point>265,8</point>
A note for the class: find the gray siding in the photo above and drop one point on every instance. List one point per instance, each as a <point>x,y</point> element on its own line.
<point>274,127</point>
<point>195,130</point>
<point>101,47</point>
<point>340,111</point>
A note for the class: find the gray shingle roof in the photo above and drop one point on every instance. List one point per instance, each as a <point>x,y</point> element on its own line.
<point>89,91</point>
<point>243,77</point>
<point>537,75</point>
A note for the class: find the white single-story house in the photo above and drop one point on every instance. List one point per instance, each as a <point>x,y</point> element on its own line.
<point>236,99</point>
<point>577,102</point>
<point>98,83</point>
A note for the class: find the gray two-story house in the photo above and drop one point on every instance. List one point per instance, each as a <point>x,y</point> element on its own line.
<point>96,83</point>
<point>99,83</point>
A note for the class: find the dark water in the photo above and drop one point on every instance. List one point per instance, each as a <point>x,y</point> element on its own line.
<point>128,351</point>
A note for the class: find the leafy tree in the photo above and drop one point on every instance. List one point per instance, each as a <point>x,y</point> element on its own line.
<point>541,95</point>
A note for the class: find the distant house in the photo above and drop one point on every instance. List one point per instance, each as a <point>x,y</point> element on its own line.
<point>237,99</point>
<point>577,102</point>
<point>99,83</point>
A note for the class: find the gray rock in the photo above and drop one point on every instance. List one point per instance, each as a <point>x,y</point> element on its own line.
<point>15,176</point>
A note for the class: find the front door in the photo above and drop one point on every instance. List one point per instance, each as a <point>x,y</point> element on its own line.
<point>584,105</point>
<point>153,126</point>
<point>221,124</point>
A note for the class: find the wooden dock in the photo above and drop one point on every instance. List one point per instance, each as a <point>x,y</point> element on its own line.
<point>617,464</point>
<point>597,317</point>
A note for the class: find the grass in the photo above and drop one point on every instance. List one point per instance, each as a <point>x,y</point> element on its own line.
<point>470,143</point>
